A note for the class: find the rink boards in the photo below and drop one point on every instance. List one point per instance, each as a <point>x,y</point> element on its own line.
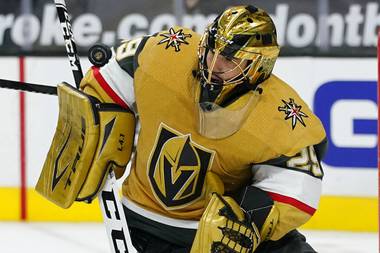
<point>342,92</point>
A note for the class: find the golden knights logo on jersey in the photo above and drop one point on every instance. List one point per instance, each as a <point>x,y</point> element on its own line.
<point>177,168</point>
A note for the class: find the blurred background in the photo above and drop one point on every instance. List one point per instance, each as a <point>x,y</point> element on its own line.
<point>328,54</point>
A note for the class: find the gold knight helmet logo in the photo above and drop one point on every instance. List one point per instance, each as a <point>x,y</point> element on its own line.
<point>177,168</point>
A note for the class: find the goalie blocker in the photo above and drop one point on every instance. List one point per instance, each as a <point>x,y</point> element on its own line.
<point>90,139</point>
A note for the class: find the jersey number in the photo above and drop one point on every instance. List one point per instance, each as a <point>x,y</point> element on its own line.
<point>306,161</point>
<point>127,48</point>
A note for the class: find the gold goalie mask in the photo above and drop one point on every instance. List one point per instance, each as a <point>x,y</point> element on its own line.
<point>244,39</point>
<point>90,139</point>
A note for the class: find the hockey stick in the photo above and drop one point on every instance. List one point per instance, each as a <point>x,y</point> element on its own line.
<point>31,87</point>
<point>112,210</point>
<point>71,47</point>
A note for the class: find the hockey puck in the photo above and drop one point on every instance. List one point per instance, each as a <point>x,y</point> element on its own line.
<point>99,55</point>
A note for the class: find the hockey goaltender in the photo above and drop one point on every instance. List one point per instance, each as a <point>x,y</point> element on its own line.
<point>227,157</point>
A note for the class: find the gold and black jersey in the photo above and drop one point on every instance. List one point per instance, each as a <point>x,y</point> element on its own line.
<point>168,172</point>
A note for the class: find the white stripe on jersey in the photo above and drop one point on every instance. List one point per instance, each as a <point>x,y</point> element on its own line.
<point>190,224</point>
<point>290,183</point>
<point>119,81</point>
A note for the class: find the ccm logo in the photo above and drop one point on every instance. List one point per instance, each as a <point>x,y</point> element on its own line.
<point>348,110</point>
<point>112,213</point>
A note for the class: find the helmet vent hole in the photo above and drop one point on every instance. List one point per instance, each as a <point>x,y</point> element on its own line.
<point>234,12</point>
<point>249,20</point>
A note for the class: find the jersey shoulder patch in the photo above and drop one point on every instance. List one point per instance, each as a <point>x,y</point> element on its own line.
<point>175,38</point>
<point>174,42</point>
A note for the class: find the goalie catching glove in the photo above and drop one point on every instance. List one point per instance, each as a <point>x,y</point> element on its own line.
<point>90,139</point>
<point>225,228</point>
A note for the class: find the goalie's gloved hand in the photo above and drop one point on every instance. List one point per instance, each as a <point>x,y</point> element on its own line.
<point>241,234</point>
<point>225,228</point>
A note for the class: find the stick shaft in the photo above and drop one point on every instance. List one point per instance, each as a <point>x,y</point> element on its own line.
<point>71,47</point>
<point>31,87</point>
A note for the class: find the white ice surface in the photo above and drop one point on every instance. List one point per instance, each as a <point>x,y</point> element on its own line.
<point>91,238</point>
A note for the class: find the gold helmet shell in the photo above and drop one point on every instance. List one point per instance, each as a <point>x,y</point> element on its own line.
<point>243,32</point>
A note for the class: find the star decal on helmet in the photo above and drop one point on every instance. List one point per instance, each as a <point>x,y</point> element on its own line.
<point>174,39</point>
<point>293,111</point>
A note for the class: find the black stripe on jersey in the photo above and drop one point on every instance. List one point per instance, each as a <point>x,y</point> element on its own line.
<point>281,161</point>
<point>138,51</point>
<point>163,231</point>
<point>321,149</point>
<point>129,64</point>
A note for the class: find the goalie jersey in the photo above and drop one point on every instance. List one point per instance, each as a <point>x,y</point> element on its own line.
<point>278,148</point>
